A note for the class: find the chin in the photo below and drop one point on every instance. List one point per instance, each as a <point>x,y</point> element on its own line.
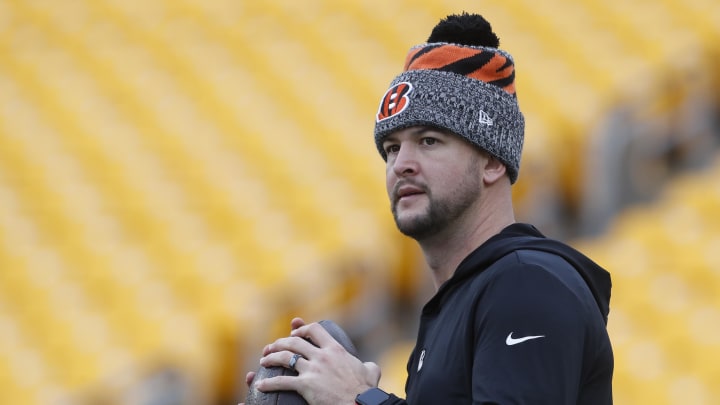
<point>415,227</point>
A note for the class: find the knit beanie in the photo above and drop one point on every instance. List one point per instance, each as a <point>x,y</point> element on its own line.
<point>461,82</point>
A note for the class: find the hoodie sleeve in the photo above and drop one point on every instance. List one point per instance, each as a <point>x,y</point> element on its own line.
<point>530,329</point>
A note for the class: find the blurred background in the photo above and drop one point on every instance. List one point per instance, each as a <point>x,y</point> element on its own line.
<point>180,178</point>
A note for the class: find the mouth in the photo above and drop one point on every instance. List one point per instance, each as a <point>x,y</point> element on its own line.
<point>405,192</point>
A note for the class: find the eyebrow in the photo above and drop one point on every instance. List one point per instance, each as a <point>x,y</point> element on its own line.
<point>417,131</point>
<point>420,130</point>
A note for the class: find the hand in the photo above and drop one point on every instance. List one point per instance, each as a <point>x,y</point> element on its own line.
<point>327,373</point>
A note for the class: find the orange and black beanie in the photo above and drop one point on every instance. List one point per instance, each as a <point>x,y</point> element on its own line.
<point>459,81</point>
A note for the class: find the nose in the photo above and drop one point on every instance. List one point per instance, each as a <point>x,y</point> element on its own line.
<point>405,162</point>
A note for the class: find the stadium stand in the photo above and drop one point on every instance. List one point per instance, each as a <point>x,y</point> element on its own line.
<point>666,312</point>
<point>178,178</point>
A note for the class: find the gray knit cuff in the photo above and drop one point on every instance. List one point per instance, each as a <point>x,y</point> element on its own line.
<point>482,113</point>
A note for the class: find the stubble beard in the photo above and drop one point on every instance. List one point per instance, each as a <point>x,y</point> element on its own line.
<point>441,212</point>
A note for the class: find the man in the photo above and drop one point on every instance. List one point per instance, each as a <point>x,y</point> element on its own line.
<point>517,318</point>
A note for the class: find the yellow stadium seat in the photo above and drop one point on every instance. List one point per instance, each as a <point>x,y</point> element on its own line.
<point>176,171</point>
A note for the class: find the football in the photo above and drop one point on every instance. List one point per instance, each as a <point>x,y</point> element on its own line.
<point>255,397</point>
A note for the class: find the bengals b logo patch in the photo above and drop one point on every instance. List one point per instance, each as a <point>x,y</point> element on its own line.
<point>394,101</point>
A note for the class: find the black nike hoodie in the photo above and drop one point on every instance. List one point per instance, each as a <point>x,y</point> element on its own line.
<point>521,321</point>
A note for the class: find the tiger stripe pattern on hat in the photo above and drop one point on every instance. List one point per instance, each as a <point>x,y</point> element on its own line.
<point>486,64</point>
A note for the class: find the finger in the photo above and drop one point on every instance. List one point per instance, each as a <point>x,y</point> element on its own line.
<point>279,383</point>
<point>316,334</point>
<point>282,359</point>
<point>249,378</point>
<point>296,323</point>
<point>293,344</point>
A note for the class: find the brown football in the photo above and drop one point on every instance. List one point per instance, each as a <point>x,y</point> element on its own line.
<point>255,397</point>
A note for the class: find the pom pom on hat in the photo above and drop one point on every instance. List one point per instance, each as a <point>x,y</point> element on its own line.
<point>465,29</point>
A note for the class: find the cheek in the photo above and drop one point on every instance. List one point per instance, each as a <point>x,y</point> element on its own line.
<point>447,182</point>
<point>390,180</point>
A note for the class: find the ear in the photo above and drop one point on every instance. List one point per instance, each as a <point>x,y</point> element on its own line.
<point>494,171</point>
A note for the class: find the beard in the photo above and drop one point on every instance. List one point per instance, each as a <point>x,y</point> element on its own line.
<point>441,211</point>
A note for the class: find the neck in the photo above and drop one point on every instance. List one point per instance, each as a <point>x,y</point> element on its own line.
<point>445,250</point>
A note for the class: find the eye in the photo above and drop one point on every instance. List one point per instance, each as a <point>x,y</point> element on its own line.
<point>428,141</point>
<point>391,148</point>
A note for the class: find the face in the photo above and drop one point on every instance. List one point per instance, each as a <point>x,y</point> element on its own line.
<point>433,178</point>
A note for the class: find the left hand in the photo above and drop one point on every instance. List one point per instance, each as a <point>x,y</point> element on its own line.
<point>327,373</point>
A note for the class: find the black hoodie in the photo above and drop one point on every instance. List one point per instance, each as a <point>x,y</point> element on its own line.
<point>521,321</point>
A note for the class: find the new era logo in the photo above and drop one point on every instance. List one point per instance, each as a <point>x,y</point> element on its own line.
<point>485,118</point>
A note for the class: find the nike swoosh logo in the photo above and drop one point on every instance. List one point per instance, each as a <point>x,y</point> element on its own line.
<point>511,341</point>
